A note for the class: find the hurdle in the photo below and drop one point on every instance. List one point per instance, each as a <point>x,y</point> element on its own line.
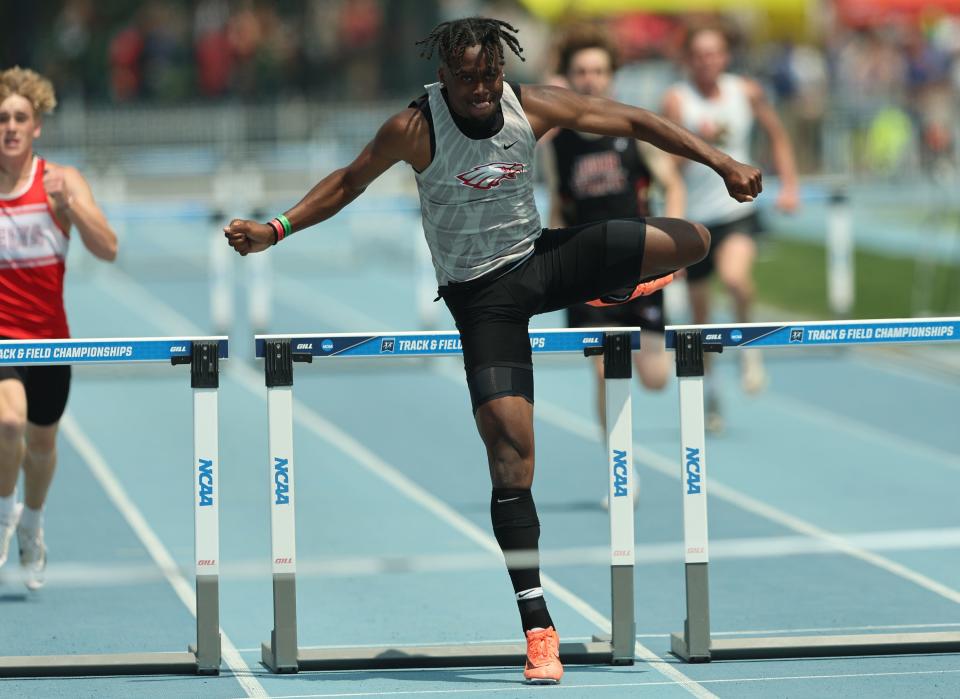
<point>282,653</point>
<point>690,342</point>
<point>203,354</point>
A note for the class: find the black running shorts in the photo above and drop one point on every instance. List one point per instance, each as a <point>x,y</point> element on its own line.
<point>47,388</point>
<point>568,266</point>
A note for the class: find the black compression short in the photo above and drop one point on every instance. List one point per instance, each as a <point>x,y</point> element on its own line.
<point>47,388</point>
<point>568,266</point>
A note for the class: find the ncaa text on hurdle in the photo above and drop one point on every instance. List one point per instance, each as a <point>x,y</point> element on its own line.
<point>204,355</point>
<point>282,653</point>
<point>694,643</point>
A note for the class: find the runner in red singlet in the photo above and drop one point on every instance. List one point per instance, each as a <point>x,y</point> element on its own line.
<point>39,203</point>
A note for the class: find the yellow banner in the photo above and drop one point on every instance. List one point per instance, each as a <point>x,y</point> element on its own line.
<point>552,10</point>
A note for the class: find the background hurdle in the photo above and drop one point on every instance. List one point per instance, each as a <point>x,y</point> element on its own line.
<point>283,654</point>
<point>203,355</point>
<point>694,643</point>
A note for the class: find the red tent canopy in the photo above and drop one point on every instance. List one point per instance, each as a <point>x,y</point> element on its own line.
<point>866,12</point>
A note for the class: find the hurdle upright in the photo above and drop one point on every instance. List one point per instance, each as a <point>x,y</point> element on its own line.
<point>203,354</point>
<point>283,654</point>
<point>690,342</point>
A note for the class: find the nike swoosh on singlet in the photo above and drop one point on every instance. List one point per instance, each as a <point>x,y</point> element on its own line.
<point>507,500</point>
<point>511,145</point>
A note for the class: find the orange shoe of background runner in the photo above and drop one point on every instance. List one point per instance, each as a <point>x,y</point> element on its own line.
<point>615,298</point>
<point>543,657</point>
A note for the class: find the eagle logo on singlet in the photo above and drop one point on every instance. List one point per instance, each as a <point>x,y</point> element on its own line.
<point>490,175</point>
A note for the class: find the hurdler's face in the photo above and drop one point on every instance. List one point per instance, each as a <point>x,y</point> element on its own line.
<point>475,87</point>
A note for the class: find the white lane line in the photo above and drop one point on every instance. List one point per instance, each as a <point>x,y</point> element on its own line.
<point>139,298</point>
<point>574,423</point>
<point>621,685</point>
<point>78,574</point>
<point>586,429</point>
<point>158,552</point>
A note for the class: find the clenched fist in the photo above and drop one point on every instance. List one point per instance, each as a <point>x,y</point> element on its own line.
<point>55,183</point>
<point>743,181</point>
<point>248,236</point>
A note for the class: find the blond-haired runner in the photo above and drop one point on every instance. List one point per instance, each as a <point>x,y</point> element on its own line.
<point>40,202</point>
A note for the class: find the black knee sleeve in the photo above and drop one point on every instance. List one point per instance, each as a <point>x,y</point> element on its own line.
<point>498,381</point>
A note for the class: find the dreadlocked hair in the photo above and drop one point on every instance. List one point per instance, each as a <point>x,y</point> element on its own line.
<point>451,39</point>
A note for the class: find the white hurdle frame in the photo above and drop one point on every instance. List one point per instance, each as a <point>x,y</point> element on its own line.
<point>282,653</point>
<point>689,342</point>
<point>203,354</point>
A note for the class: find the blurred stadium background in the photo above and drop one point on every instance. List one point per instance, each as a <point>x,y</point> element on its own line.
<point>166,106</point>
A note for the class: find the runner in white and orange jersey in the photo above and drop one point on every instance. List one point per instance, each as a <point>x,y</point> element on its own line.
<point>39,203</point>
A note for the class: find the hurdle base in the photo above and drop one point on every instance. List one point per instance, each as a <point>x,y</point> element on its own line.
<point>98,664</point>
<point>268,657</point>
<point>770,647</point>
<point>412,657</point>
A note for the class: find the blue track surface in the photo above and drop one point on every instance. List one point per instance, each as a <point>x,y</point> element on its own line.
<point>855,444</point>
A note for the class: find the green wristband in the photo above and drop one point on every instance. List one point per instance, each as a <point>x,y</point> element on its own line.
<point>285,222</point>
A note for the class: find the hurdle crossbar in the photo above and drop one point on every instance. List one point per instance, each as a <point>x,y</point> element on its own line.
<point>689,343</point>
<point>283,654</point>
<point>203,354</point>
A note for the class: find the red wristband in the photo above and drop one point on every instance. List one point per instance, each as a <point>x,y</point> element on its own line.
<point>277,230</point>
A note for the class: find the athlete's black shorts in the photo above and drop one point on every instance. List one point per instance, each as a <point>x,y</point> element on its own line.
<point>568,266</point>
<point>47,388</point>
<point>644,312</point>
<point>748,225</point>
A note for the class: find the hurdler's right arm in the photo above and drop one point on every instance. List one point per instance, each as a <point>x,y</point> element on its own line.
<point>392,143</point>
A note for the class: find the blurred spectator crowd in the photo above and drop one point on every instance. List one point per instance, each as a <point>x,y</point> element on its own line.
<point>894,79</point>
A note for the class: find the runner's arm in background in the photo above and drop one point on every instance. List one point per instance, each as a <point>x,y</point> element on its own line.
<point>666,174</point>
<point>783,158</point>
<point>549,163</point>
<point>73,203</point>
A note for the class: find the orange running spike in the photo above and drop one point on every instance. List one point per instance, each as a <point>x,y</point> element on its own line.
<point>642,289</point>
<point>543,657</point>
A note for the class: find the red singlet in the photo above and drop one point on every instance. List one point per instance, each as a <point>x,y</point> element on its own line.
<point>33,253</point>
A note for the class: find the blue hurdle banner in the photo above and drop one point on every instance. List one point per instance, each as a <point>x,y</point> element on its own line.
<point>820,333</point>
<point>434,344</point>
<point>101,350</point>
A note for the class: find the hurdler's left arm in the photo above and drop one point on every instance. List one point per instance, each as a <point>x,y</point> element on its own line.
<point>73,201</point>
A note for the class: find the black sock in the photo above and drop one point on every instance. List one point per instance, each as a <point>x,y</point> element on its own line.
<point>517,529</point>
